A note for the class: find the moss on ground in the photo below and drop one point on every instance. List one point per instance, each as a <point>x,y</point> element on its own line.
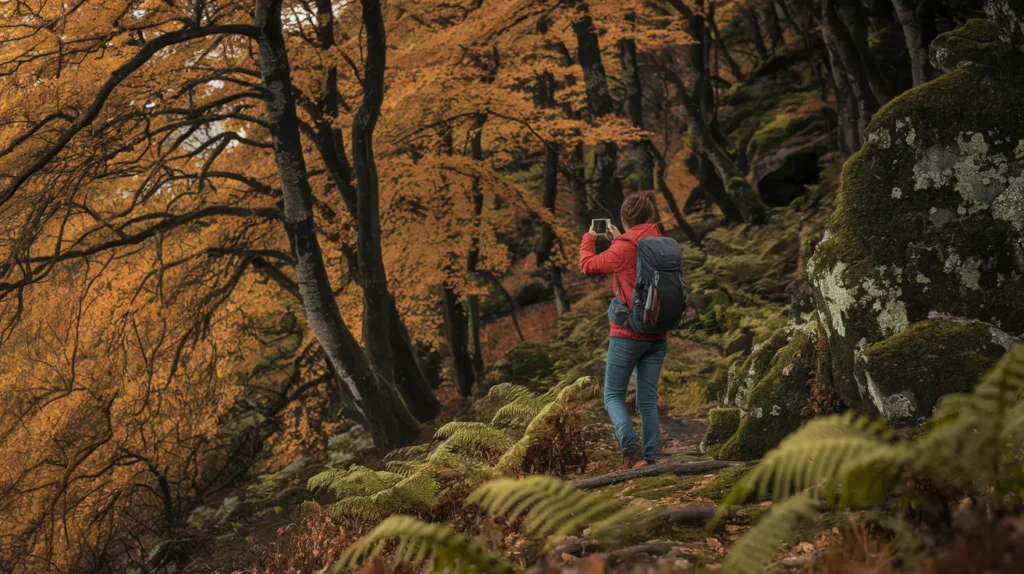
<point>722,483</point>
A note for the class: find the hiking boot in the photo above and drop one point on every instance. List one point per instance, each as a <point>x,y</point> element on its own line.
<point>630,461</point>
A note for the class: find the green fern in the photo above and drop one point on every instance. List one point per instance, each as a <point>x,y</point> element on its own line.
<point>522,408</point>
<point>421,544</point>
<point>581,390</point>
<point>552,507</point>
<point>753,552</point>
<point>507,392</point>
<point>472,435</point>
<point>374,494</point>
<point>849,461</point>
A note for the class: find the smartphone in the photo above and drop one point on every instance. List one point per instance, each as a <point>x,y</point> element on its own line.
<point>601,226</point>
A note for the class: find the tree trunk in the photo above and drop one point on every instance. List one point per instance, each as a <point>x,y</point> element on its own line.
<point>723,49</point>
<point>731,192</point>
<point>376,296</point>
<point>849,73</point>
<point>643,160</point>
<point>409,375</point>
<point>907,13</point>
<point>851,12</point>
<point>673,207</point>
<point>455,322</point>
<point>754,27</point>
<point>776,36</point>
<point>473,301</point>
<point>546,97</point>
<point>578,185</point>
<point>388,419</point>
<point>604,191</point>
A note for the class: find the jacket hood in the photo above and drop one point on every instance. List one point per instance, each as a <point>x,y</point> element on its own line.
<point>640,231</point>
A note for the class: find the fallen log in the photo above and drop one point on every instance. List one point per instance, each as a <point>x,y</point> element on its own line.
<point>688,515</point>
<point>677,468</point>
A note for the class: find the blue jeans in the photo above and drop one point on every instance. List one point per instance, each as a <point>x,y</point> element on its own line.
<point>645,358</point>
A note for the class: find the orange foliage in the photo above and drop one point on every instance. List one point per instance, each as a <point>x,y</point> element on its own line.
<point>148,337</point>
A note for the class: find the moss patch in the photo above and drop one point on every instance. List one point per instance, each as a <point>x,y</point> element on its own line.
<point>719,487</point>
<point>907,373</point>
<point>722,424</point>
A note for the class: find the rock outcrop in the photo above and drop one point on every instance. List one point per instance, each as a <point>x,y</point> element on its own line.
<point>766,393</point>
<point>919,281</point>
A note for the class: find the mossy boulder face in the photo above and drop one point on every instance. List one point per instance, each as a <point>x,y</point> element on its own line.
<point>722,424</point>
<point>907,373</point>
<point>784,156</point>
<point>770,390</point>
<point>929,222</point>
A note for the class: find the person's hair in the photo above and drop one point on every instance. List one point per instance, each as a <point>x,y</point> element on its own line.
<point>639,208</point>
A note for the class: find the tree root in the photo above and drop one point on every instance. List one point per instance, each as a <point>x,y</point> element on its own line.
<point>677,468</point>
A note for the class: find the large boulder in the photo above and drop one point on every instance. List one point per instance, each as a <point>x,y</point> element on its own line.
<point>784,156</point>
<point>907,373</point>
<point>929,227</point>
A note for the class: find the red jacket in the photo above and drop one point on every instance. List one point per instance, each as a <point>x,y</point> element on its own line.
<point>620,260</point>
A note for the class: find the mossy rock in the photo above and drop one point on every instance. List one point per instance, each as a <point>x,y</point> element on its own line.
<point>976,42</point>
<point>771,406</point>
<point>523,364</point>
<point>755,367</point>
<point>1008,15</point>
<point>722,424</point>
<point>907,373</point>
<point>929,220</point>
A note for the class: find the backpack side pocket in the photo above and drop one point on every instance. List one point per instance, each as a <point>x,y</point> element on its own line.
<point>618,312</point>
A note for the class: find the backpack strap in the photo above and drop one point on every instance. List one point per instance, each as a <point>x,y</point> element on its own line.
<point>615,280</point>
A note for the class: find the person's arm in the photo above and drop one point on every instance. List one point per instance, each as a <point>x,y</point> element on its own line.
<point>609,261</point>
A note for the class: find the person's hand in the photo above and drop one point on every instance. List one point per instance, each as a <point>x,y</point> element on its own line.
<point>591,230</point>
<point>613,231</point>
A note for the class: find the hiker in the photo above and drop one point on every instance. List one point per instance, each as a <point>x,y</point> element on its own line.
<point>639,321</point>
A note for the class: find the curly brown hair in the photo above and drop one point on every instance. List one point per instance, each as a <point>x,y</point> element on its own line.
<point>639,208</point>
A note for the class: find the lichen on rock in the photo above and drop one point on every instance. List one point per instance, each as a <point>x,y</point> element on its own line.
<point>770,390</point>
<point>949,243</point>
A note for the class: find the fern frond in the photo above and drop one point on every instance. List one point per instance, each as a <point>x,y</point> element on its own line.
<point>460,434</point>
<point>753,552</point>
<point>580,390</point>
<point>416,493</point>
<point>359,481</point>
<point>421,544</point>
<point>324,479</point>
<point>523,408</point>
<point>506,392</point>
<point>549,506</point>
<point>972,430</point>
<point>813,458</point>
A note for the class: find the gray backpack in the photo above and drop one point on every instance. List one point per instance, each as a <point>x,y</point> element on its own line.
<point>659,293</point>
